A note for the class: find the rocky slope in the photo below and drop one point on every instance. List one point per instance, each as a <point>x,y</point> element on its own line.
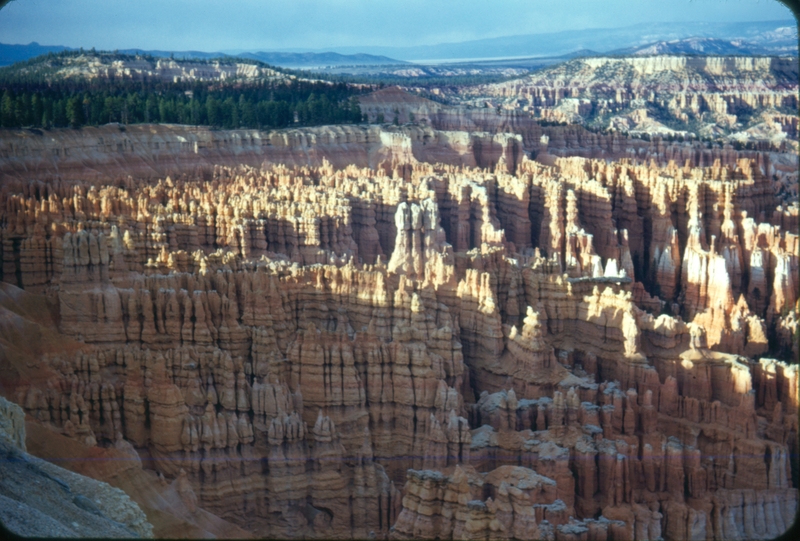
<point>774,131</point>
<point>483,347</point>
<point>662,94</point>
<point>40,499</point>
<point>29,332</point>
<point>545,143</point>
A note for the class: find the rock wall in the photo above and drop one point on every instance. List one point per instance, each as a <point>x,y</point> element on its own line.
<point>118,151</point>
<point>745,97</point>
<point>577,350</point>
<point>546,143</point>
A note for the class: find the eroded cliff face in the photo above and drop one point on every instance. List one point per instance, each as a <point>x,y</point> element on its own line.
<point>485,347</point>
<point>752,97</point>
<point>774,157</point>
<point>139,151</point>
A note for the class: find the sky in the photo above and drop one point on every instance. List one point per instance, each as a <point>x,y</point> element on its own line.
<point>264,25</point>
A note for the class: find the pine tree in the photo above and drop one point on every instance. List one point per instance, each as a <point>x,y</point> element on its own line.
<point>36,110</point>
<point>75,112</point>
<point>355,110</point>
<point>150,109</point>
<point>24,109</point>
<point>133,105</point>
<point>96,110</point>
<point>47,112</point>
<point>59,115</point>
<point>247,113</point>
<point>195,111</point>
<point>212,110</point>
<point>163,115</point>
<point>86,104</point>
<point>230,114</point>
<point>7,113</point>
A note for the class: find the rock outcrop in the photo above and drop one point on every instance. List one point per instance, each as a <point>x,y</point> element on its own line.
<point>40,499</point>
<point>678,89</point>
<point>484,347</point>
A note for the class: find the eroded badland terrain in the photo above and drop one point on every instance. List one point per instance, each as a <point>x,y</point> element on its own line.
<point>472,325</point>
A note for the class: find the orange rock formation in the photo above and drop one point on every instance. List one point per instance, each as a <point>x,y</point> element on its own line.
<point>487,347</point>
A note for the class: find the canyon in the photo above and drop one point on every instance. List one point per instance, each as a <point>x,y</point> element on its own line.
<point>744,98</point>
<point>468,326</point>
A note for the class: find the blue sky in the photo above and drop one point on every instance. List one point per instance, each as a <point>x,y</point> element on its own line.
<point>217,25</point>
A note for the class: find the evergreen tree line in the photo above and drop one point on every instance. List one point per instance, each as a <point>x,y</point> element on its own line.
<point>261,105</point>
<point>388,79</point>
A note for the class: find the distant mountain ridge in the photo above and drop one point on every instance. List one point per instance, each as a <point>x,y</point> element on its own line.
<point>282,59</point>
<point>291,60</point>
<point>10,54</point>
<point>760,37</point>
<point>694,46</point>
<point>774,37</point>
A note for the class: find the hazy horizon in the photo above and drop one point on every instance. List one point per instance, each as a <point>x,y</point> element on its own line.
<point>315,25</point>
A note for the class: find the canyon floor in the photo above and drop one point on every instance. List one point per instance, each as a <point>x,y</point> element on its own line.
<point>466,326</point>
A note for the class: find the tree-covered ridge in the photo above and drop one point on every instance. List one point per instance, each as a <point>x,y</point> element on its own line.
<point>264,104</point>
<point>36,93</point>
<point>426,82</point>
<point>55,67</point>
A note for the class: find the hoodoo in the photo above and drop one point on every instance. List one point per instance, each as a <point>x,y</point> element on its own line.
<point>414,349</point>
<point>525,297</point>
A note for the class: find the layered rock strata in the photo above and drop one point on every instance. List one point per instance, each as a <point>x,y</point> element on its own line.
<point>720,93</point>
<point>586,349</point>
<point>155,151</point>
<point>774,157</point>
